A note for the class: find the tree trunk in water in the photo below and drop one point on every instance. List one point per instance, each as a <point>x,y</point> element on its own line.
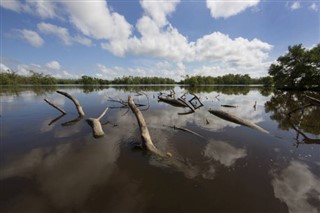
<point>145,136</point>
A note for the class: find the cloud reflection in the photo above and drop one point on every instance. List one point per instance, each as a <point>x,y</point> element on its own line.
<point>223,152</point>
<point>296,185</point>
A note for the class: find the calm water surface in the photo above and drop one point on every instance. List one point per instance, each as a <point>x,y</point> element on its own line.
<point>53,165</point>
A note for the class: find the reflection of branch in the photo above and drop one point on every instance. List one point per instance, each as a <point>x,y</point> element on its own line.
<point>72,122</point>
<point>56,119</point>
<point>299,108</point>
<point>306,139</point>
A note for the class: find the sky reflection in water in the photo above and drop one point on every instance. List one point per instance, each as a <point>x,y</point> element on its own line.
<point>49,168</point>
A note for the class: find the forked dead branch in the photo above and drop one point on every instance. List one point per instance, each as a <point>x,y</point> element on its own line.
<point>93,122</point>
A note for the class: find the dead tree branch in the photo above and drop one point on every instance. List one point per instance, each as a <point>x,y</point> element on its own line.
<point>233,118</point>
<point>75,101</point>
<point>55,106</point>
<point>145,136</point>
<point>96,124</point>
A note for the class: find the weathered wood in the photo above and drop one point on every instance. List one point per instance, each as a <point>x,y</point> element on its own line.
<point>75,101</point>
<point>55,106</point>
<point>145,136</point>
<point>235,119</point>
<point>172,101</point>
<point>95,123</point>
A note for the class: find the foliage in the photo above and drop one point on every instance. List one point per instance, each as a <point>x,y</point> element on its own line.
<point>298,69</point>
<point>226,79</point>
<point>142,80</point>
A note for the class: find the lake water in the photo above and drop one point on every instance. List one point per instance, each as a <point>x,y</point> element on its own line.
<point>53,165</point>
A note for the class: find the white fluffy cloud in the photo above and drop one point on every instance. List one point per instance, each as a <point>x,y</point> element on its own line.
<point>31,37</point>
<point>159,9</point>
<point>63,34</point>
<point>55,65</point>
<point>227,8</point>
<point>94,19</point>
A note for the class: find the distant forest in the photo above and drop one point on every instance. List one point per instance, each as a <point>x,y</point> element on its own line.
<point>34,78</point>
<point>298,69</point>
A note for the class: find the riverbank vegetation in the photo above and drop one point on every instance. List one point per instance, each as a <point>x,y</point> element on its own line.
<point>12,78</point>
<point>298,69</point>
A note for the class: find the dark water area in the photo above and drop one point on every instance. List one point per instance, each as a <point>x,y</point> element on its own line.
<point>49,164</point>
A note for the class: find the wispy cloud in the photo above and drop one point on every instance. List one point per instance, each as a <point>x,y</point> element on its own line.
<point>63,34</point>
<point>31,37</point>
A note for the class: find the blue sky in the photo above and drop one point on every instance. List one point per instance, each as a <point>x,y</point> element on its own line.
<point>109,39</point>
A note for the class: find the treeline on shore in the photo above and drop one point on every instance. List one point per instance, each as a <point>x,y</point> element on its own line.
<point>34,78</point>
<point>298,69</point>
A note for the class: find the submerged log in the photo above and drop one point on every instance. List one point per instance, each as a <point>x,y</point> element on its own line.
<point>145,136</point>
<point>235,119</point>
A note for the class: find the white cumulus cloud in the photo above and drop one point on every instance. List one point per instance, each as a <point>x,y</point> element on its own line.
<point>31,37</point>
<point>55,65</point>
<point>227,8</point>
<point>94,19</point>
<point>159,9</point>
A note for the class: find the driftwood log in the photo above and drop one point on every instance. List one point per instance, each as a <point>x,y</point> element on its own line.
<point>145,135</point>
<point>235,119</point>
<point>93,122</point>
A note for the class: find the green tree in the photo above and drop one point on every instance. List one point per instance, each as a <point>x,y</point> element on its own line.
<point>298,69</point>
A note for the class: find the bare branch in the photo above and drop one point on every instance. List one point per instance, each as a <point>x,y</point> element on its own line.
<point>103,113</point>
<point>75,101</point>
<point>55,106</point>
